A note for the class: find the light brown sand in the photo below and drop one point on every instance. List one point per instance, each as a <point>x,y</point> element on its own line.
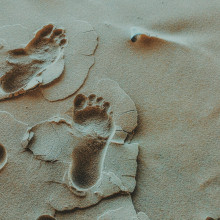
<point>172,74</point>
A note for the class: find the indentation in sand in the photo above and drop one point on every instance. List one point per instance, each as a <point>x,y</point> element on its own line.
<point>3,156</point>
<point>92,118</point>
<point>82,141</point>
<point>113,180</point>
<point>82,43</point>
<point>38,63</point>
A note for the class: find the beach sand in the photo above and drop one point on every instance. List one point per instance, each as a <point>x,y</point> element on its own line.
<point>109,110</point>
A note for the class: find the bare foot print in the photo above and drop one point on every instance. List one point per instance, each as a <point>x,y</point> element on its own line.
<point>3,156</point>
<point>24,65</point>
<point>93,120</point>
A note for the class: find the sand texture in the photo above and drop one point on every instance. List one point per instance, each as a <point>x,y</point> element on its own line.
<point>40,62</point>
<point>109,110</point>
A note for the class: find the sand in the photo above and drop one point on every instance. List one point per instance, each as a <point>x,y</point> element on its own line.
<point>109,110</point>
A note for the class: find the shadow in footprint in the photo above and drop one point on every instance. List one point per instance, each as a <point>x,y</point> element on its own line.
<point>3,156</point>
<point>93,120</point>
<point>24,65</point>
<point>46,217</point>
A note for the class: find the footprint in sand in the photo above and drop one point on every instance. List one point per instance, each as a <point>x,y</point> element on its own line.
<point>93,120</point>
<point>3,156</point>
<point>84,150</point>
<point>25,68</point>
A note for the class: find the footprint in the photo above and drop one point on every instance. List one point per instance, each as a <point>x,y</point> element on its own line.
<point>24,67</point>
<point>3,156</point>
<point>93,120</point>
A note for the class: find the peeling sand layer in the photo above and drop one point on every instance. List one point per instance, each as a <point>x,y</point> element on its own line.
<point>109,110</point>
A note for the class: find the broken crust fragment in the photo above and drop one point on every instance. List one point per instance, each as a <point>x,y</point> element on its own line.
<point>36,138</point>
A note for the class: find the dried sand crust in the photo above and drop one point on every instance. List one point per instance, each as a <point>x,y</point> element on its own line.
<point>116,208</point>
<point>69,140</point>
<point>85,163</point>
<point>164,54</point>
<point>38,63</point>
<point>79,59</point>
<point>87,136</point>
<point>20,176</point>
